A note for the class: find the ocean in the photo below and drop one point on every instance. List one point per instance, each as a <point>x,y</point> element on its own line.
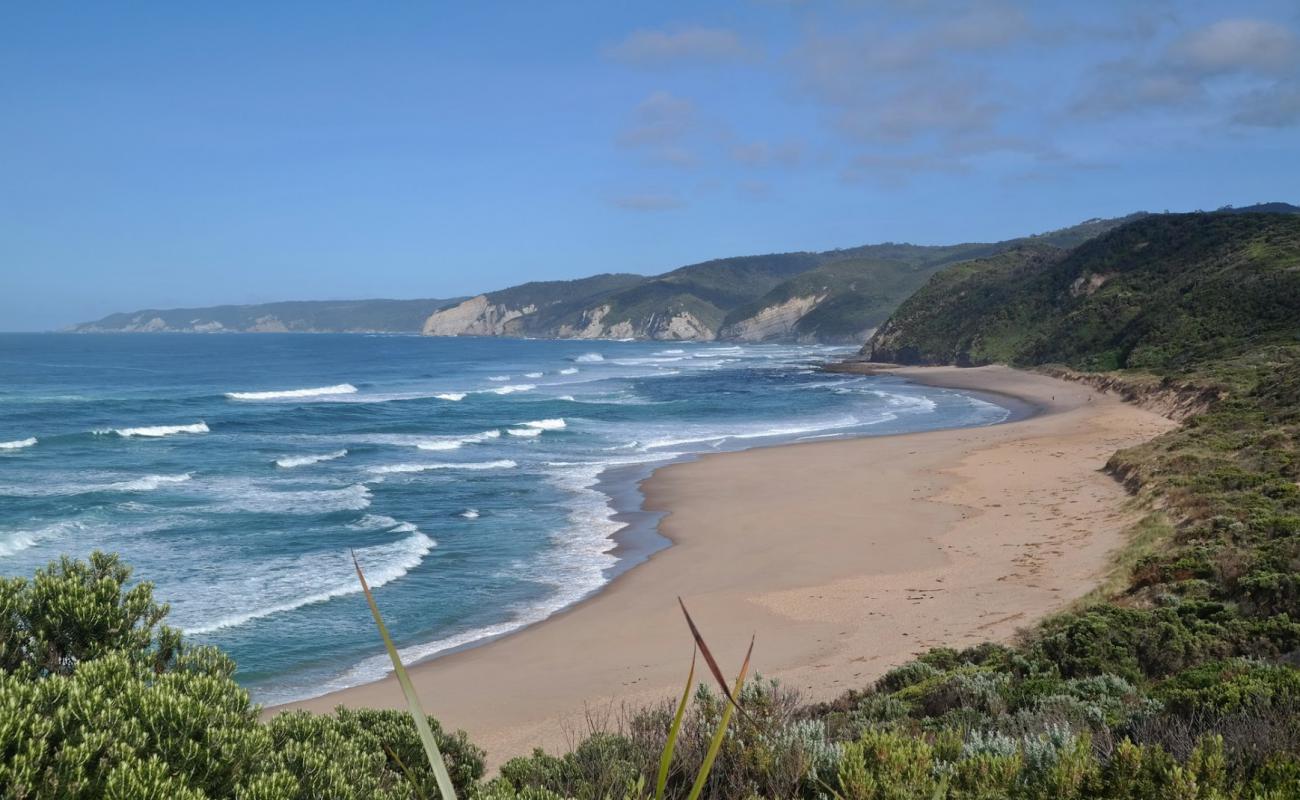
<point>483,484</point>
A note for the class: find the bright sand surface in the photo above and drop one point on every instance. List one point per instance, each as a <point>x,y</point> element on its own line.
<point>844,557</point>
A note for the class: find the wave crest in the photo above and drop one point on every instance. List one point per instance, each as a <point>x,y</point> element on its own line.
<point>289,462</point>
<point>289,394</point>
<point>158,431</point>
<point>18,444</point>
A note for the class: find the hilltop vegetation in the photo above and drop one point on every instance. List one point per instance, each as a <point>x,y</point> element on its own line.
<point>1164,291</point>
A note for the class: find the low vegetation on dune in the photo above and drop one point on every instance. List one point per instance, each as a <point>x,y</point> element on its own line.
<point>1177,679</point>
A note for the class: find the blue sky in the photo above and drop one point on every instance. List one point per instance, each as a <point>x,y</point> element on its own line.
<point>172,154</point>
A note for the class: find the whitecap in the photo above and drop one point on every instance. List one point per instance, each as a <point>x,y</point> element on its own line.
<point>589,358</point>
<point>499,378</point>
<point>293,394</point>
<point>545,424</point>
<point>533,374</point>
<point>469,513</point>
<point>289,462</point>
<point>512,388</point>
<point>12,542</point>
<point>156,431</point>
<point>569,371</point>
<point>454,397</point>
<point>18,445</point>
<point>526,432</point>
<point>147,483</point>
<point>455,442</point>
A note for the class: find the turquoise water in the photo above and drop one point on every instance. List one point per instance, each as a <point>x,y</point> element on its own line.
<point>236,472</point>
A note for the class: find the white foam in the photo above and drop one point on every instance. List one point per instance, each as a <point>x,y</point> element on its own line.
<point>674,352</point>
<point>293,394</point>
<point>469,513</point>
<point>454,397</point>
<point>717,437</point>
<point>456,442</point>
<point>235,496</point>
<point>513,387</point>
<point>13,542</point>
<point>289,462</point>
<point>575,566</point>
<point>148,483</point>
<point>389,469</point>
<point>525,432</point>
<point>546,424</point>
<point>589,358</point>
<point>569,371</point>
<point>499,378</point>
<point>157,431</point>
<point>278,585</point>
<point>18,445</point>
<point>905,402</point>
<point>532,374</point>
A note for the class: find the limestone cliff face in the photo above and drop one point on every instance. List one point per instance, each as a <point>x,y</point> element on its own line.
<point>478,316</point>
<point>475,317</point>
<point>678,327</point>
<point>773,322</point>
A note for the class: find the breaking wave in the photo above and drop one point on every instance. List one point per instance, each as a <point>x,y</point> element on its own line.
<point>289,462</point>
<point>158,431</point>
<point>290,583</point>
<point>293,394</point>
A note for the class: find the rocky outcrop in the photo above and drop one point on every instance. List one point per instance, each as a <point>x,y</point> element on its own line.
<point>475,317</point>
<point>590,326</point>
<point>678,327</point>
<point>772,322</point>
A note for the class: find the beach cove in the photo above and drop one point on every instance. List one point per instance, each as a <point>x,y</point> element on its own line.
<point>844,557</point>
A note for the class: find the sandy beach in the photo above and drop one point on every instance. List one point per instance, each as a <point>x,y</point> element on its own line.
<point>844,557</point>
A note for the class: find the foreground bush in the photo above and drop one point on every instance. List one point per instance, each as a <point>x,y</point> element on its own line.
<point>98,700</point>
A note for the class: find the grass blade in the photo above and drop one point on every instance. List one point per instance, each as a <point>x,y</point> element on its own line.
<point>708,657</point>
<point>436,763</point>
<point>666,759</point>
<point>716,743</point>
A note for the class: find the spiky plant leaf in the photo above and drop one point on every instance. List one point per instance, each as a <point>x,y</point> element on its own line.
<point>436,763</point>
<point>666,759</point>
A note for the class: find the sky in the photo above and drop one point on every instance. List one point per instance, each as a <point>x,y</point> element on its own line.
<point>156,155</point>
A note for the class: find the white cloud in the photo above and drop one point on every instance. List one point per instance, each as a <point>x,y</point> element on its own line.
<point>1237,45</point>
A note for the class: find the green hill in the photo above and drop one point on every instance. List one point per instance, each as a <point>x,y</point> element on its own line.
<point>1157,293</point>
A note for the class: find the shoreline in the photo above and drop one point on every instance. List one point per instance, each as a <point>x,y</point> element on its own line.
<point>774,539</point>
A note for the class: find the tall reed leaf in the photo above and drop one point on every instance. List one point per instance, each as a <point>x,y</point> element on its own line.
<point>716,743</point>
<point>708,658</point>
<point>436,763</point>
<point>666,759</point>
